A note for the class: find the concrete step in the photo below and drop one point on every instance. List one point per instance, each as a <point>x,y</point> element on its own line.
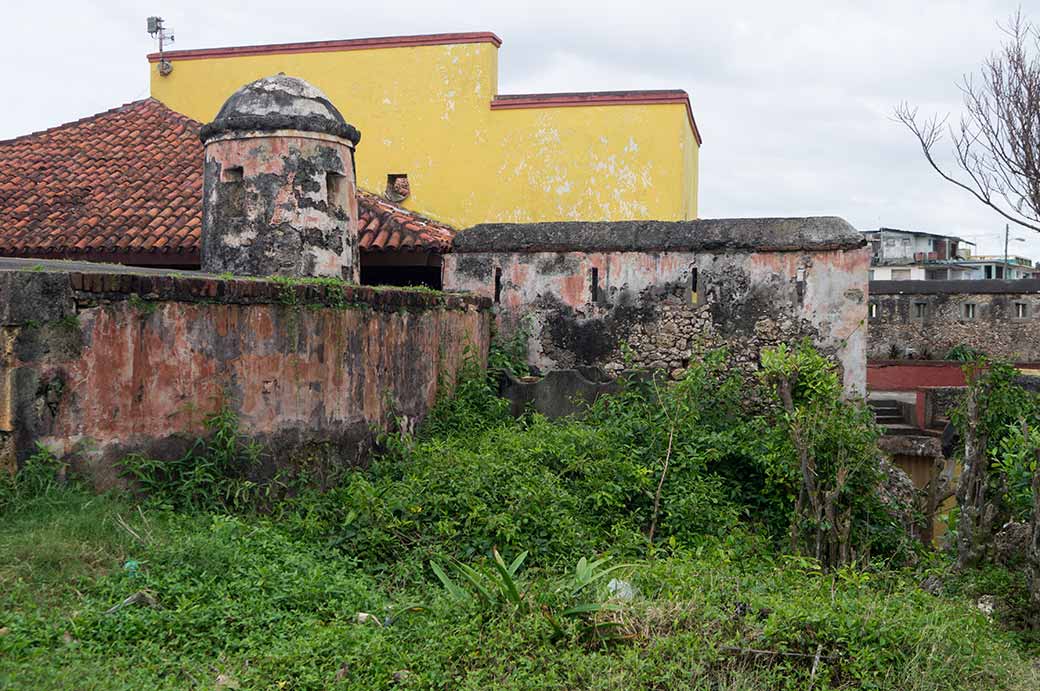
<point>904,430</point>
<point>889,419</point>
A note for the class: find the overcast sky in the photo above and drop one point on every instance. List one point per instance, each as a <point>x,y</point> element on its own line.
<point>794,99</point>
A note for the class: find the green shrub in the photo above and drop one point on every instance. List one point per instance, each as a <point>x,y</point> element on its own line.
<point>831,458</point>
<point>40,475</point>
<point>964,353</point>
<point>1009,422</point>
<point>214,474</point>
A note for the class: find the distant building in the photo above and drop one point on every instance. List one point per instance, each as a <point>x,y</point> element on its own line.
<point>994,266</point>
<point>912,255</point>
<point>927,319</point>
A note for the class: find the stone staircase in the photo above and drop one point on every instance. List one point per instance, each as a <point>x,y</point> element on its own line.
<point>889,414</point>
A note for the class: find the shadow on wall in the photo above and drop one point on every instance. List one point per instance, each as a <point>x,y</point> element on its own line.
<point>562,393</point>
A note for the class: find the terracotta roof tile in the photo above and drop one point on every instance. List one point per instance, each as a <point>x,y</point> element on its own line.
<point>386,227</point>
<point>126,185</point>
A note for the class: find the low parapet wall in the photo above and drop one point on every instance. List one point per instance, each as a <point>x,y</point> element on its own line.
<point>98,361</point>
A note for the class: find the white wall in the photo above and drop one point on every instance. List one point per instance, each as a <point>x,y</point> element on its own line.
<point>884,273</point>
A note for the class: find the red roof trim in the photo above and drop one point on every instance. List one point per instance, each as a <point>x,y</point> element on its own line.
<point>326,46</point>
<point>598,98</point>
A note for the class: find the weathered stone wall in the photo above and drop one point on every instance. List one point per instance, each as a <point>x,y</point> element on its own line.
<point>657,294</point>
<point>279,195</point>
<point>96,364</point>
<point>939,404</point>
<point>901,329</point>
<point>280,205</point>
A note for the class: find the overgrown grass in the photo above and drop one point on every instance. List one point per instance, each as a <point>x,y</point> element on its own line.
<point>241,601</point>
<point>191,590</point>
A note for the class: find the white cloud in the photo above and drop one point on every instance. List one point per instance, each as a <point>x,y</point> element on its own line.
<point>793,99</point>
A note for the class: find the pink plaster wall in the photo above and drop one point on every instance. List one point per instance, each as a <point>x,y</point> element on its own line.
<point>131,375</point>
<point>831,297</point>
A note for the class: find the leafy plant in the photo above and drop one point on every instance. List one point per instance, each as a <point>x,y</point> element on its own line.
<point>963,353</point>
<point>994,481</point>
<point>509,353</point>
<point>39,476</point>
<point>575,598</point>
<point>503,589</point>
<point>835,451</point>
<point>214,474</point>
<point>1015,460</point>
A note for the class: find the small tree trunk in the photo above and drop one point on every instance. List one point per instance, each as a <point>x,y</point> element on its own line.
<point>1033,551</point>
<point>807,495</point>
<point>976,515</point>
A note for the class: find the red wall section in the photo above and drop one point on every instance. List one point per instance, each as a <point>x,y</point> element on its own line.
<point>907,376</point>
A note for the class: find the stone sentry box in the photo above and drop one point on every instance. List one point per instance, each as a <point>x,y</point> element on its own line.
<point>660,294</point>
<point>279,195</point>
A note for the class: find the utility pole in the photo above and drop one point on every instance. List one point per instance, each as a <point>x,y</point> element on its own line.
<point>1007,230</point>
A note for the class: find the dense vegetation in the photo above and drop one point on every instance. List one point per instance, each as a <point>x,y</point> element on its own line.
<point>664,540</point>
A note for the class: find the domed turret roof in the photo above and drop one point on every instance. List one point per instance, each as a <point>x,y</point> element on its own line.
<point>279,103</point>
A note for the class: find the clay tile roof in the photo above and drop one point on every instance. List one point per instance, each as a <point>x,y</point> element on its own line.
<point>126,185</point>
<point>384,227</point>
<point>63,191</point>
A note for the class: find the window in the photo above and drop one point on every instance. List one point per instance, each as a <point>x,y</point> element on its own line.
<point>900,274</point>
<point>335,190</point>
<point>1021,310</point>
<point>1000,272</point>
<point>920,310</point>
<point>498,284</point>
<point>693,285</point>
<point>987,271</point>
<point>594,287</point>
<point>397,187</point>
<point>873,310</point>
<point>234,190</point>
<point>870,275</point>
<point>969,311</point>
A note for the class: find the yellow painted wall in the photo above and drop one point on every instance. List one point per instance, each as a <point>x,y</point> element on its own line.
<point>425,111</point>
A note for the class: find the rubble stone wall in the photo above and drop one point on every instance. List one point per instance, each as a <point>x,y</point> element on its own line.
<point>658,294</point>
<point>925,319</point>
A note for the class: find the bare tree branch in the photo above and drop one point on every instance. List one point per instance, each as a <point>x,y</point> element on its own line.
<point>996,144</point>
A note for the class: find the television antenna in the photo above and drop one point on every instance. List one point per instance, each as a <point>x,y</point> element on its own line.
<point>157,30</point>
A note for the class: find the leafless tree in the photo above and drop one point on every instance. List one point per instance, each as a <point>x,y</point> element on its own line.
<point>996,145</point>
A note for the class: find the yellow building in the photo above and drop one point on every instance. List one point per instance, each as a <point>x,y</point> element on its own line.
<point>428,108</point>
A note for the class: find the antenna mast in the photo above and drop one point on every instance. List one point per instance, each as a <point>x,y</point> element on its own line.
<point>158,31</point>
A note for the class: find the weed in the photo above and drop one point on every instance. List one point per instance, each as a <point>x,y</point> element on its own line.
<point>335,590</point>
<point>70,322</point>
<point>214,474</point>
<point>40,475</point>
<point>142,306</point>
